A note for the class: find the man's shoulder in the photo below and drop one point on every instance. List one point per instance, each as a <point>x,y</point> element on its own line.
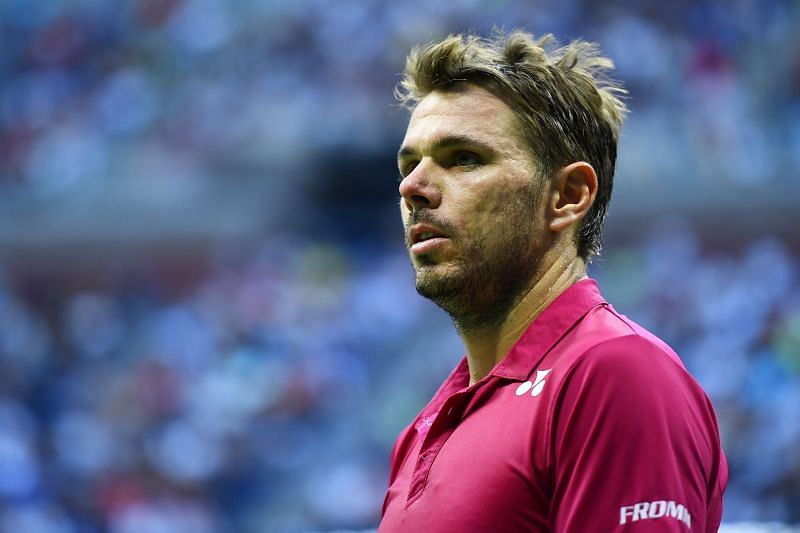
<point>626,378</point>
<point>607,343</point>
<point>604,327</point>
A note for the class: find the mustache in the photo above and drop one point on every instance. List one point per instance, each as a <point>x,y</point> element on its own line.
<point>424,216</point>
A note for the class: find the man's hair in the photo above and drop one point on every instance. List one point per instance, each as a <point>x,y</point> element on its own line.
<point>568,107</point>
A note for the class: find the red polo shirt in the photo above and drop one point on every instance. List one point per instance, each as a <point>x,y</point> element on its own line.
<point>590,423</point>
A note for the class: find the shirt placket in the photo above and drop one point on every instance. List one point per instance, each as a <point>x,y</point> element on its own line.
<point>444,424</point>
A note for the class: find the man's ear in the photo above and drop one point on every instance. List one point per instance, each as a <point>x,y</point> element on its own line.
<point>572,194</point>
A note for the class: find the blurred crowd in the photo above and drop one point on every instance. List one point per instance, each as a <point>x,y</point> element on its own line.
<point>262,391</point>
<point>170,90</point>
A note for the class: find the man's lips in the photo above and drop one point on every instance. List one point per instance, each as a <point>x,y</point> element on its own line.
<point>423,232</point>
<point>427,246</point>
<point>422,238</point>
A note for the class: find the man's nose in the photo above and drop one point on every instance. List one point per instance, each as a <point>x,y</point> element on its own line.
<point>417,190</point>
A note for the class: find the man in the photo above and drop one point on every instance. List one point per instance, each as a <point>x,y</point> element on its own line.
<point>564,415</point>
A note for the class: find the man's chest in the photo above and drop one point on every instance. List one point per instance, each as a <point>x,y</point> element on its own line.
<point>479,468</point>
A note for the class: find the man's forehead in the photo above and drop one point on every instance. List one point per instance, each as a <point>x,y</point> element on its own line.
<point>462,100</point>
<point>466,109</point>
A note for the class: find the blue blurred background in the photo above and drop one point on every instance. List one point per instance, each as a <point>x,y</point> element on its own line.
<point>207,317</point>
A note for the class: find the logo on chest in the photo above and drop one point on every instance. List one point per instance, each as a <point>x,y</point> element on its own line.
<point>535,387</point>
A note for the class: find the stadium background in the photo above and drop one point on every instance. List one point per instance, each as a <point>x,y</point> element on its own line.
<point>207,319</point>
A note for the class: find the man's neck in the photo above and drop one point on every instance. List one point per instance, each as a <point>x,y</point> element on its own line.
<point>487,347</point>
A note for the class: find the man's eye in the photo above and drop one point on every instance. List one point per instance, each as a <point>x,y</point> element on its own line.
<point>407,169</point>
<point>466,159</point>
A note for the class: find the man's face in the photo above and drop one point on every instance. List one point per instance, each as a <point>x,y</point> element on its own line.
<point>471,204</point>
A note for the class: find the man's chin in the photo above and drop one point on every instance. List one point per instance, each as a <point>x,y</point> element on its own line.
<point>436,281</point>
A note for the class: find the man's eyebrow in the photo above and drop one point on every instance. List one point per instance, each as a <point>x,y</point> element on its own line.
<point>447,142</point>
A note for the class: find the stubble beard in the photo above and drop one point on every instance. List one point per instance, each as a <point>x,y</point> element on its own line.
<point>488,279</point>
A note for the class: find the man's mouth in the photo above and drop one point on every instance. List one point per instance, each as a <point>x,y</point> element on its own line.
<point>423,232</point>
<point>423,238</point>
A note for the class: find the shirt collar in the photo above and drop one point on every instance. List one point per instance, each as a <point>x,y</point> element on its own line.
<point>552,324</point>
<point>543,333</point>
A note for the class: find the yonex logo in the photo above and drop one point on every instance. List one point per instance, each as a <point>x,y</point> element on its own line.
<point>536,386</point>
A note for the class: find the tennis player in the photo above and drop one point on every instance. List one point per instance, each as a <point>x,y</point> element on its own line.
<point>565,415</point>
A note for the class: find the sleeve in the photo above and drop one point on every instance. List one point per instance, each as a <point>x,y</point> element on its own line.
<point>634,445</point>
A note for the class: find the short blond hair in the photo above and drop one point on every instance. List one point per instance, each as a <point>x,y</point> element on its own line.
<point>568,107</point>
